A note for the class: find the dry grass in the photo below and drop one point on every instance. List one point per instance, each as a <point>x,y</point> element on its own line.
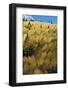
<point>39,48</point>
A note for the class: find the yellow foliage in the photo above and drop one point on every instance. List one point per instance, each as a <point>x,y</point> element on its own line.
<point>47,62</point>
<point>43,41</point>
<point>38,71</point>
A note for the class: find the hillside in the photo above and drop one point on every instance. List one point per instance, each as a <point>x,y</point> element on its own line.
<point>39,48</point>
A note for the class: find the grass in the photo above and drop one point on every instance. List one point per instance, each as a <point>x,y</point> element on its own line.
<point>39,48</point>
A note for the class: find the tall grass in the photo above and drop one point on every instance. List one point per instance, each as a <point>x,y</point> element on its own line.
<point>39,48</point>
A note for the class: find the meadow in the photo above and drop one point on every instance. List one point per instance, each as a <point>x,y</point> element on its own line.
<point>39,47</point>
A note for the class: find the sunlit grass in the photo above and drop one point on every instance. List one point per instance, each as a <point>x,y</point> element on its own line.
<point>39,48</point>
